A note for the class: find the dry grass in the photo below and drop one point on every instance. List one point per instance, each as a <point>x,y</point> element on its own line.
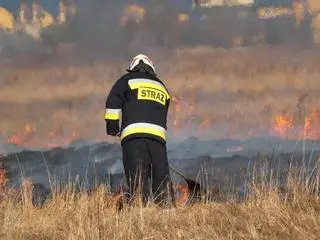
<point>219,86</point>
<point>236,86</point>
<point>92,219</point>
<point>264,214</point>
<point>246,70</point>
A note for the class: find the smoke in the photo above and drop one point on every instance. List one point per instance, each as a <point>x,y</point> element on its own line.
<point>106,27</point>
<point>98,29</point>
<point>222,91</point>
<point>204,161</point>
<point>224,86</point>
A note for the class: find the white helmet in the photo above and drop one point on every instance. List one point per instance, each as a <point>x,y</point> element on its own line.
<point>145,59</point>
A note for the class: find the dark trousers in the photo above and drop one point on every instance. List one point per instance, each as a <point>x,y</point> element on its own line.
<point>146,167</point>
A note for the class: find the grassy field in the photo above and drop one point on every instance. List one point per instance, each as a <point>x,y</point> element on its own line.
<point>263,214</point>
<point>240,89</point>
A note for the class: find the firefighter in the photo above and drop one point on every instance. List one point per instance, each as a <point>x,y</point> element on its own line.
<point>141,101</point>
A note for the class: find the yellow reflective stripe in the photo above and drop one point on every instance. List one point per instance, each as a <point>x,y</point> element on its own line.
<point>144,128</point>
<point>146,83</point>
<point>112,114</point>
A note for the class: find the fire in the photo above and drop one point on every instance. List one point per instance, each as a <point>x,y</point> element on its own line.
<point>287,127</point>
<point>5,191</point>
<point>29,137</point>
<point>186,118</point>
<point>312,126</point>
<point>182,193</point>
<point>21,137</point>
<point>282,125</point>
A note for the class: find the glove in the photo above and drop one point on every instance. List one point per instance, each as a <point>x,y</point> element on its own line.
<point>112,127</point>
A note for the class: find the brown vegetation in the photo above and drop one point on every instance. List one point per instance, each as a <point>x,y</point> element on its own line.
<point>216,86</point>
<point>266,213</point>
<point>241,88</point>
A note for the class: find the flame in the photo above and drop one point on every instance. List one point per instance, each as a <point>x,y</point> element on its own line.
<point>29,137</point>
<point>5,191</point>
<point>182,193</point>
<point>186,118</point>
<point>282,125</point>
<point>287,127</point>
<point>21,137</point>
<point>312,126</point>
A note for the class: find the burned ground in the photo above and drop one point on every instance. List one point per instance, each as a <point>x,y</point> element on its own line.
<point>207,162</point>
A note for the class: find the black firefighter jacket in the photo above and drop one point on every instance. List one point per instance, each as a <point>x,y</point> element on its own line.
<point>139,101</point>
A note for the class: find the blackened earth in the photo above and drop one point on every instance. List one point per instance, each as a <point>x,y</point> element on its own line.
<point>225,163</point>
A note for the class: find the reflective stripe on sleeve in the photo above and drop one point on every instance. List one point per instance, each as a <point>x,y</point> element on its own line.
<point>112,114</point>
<point>147,128</point>
<point>147,83</point>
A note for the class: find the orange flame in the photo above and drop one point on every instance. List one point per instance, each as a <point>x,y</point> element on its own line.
<point>287,127</point>
<point>184,119</point>
<point>182,193</point>
<point>282,125</point>
<point>29,138</point>
<point>21,137</point>
<point>312,126</point>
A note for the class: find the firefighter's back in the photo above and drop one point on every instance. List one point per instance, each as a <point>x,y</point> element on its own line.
<point>146,104</point>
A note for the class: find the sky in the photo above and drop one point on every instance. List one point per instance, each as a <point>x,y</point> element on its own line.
<point>52,5</point>
<point>13,5</point>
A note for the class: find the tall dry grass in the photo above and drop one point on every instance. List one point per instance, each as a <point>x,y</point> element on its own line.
<point>268,211</point>
<point>242,88</point>
<point>252,70</point>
